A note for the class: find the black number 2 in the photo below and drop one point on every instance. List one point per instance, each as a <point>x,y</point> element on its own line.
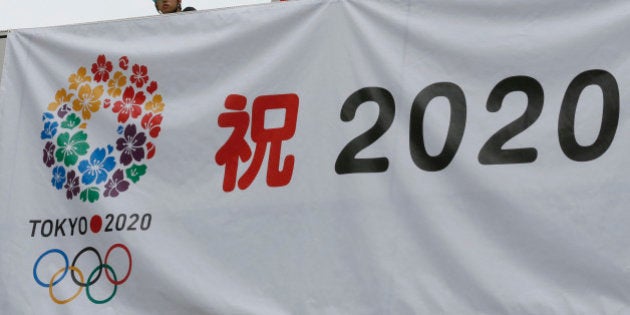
<point>492,151</point>
<point>347,162</point>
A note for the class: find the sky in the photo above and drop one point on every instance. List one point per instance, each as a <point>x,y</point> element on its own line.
<point>37,13</point>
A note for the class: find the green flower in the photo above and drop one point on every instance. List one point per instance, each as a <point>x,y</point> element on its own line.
<point>71,121</point>
<point>135,172</point>
<point>91,194</point>
<point>70,148</point>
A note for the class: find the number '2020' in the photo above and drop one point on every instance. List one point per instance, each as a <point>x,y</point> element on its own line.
<point>492,152</point>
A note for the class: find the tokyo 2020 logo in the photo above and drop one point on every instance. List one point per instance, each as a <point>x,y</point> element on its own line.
<point>82,278</point>
<point>77,166</point>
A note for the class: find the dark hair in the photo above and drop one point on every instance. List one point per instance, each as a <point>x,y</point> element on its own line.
<point>189,9</point>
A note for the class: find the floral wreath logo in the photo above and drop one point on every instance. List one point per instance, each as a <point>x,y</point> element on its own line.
<point>85,171</point>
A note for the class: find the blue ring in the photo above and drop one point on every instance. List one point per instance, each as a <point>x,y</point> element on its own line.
<point>54,250</point>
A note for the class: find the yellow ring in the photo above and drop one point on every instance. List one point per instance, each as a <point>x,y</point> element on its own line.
<point>50,288</point>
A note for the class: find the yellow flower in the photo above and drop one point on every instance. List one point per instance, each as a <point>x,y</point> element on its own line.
<point>76,79</point>
<point>61,97</point>
<point>156,105</point>
<point>88,100</point>
<point>116,83</point>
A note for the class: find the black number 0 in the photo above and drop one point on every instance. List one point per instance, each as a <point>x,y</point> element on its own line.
<point>610,118</point>
<point>456,127</point>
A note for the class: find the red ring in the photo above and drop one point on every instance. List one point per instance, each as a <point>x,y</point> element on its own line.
<point>130,264</point>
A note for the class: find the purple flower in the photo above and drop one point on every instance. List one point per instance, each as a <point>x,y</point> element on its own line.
<point>63,110</point>
<point>49,154</point>
<point>131,145</point>
<point>116,184</point>
<point>72,185</point>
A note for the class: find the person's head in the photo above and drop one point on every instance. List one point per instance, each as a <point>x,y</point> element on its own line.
<point>157,4</point>
<point>168,6</point>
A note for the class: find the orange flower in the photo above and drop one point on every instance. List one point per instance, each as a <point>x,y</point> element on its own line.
<point>155,105</point>
<point>116,83</point>
<point>76,79</point>
<point>61,97</point>
<point>88,100</point>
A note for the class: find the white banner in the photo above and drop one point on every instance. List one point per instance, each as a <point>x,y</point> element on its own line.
<point>320,157</point>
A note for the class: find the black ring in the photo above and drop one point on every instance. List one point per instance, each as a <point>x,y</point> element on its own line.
<point>100,262</point>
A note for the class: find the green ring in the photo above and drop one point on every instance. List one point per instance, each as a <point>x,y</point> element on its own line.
<point>87,287</point>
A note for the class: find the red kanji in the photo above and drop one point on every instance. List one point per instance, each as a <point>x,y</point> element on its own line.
<point>236,147</point>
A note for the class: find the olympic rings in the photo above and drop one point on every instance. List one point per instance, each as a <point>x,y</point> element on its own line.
<point>91,280</point>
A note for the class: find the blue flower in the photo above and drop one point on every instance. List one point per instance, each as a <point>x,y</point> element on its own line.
<point>59,177</point>
<point>50,129</point>
<point>47,116</point>
<point>97,167</point>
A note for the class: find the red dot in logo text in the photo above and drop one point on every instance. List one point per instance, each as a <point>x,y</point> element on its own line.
<point>95,223</point>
